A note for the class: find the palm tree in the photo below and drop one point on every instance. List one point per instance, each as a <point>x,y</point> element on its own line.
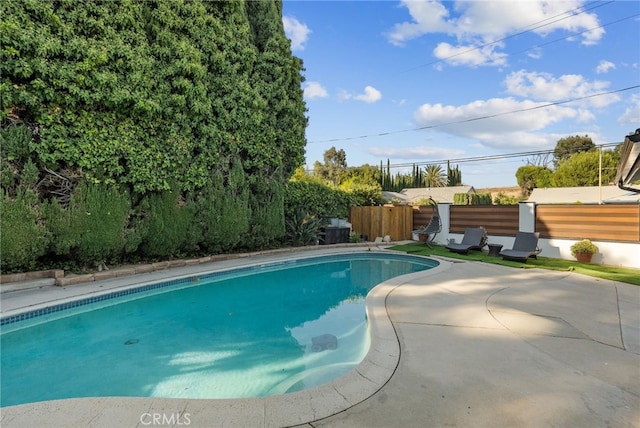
<point>435,176</point>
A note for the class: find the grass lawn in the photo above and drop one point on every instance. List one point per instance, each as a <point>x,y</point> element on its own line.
<point>615,273</point>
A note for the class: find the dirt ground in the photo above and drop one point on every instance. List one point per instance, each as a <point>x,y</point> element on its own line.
<point>509,191</point>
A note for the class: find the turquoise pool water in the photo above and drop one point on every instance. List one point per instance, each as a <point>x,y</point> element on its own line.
<point>250,332</point>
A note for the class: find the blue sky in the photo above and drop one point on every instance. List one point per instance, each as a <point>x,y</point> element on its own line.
<point>391,67</point>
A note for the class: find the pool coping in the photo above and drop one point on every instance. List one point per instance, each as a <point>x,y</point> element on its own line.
<point>317,403</point>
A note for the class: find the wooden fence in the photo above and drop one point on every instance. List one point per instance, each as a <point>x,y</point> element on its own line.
<point>597,222</point>
<point>496,219</point>
<point>609,222</point>
<point>393,220</point>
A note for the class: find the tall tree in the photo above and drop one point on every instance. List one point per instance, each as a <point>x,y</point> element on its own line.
<point>530,177</point>
<point>334,166</point>
<point>582,169</point>
<point>566,147</point>
<point>454,176</point>
<point>434,176</point>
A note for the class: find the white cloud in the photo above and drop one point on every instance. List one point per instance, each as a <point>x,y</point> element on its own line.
<point>370,95</point>
<point>631,114</point>
<point>314,90</point>
<point>478,24</point>
<point>535,53</point>
<point>469,55</point>
<point>503,131</point>
<point>416,152</point>
<point>544,86</point>
<point>605,66</point>
<point>296,31</point>
<point>428,17</point>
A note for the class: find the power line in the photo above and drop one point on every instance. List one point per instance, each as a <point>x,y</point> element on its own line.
<point>473,119</point>
<point>477,158</point>
<point>486,157</point>
<point>574,34</point>
<point>582,10</point>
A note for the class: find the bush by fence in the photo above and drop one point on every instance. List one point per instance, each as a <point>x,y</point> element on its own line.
<point>24,237</point>
<point>472,199</point>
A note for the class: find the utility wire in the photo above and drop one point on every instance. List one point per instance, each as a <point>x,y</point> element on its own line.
<point>473,119</point>
<point>582,10</point>
<point>486,157</point>
<point>478,158</point>
<point>574,34</point>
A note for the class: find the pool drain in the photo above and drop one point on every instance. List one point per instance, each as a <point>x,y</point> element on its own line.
<point>325,341</point>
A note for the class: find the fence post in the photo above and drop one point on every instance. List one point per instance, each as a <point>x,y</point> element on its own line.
<point>445,215</point>
<point>527,214</point>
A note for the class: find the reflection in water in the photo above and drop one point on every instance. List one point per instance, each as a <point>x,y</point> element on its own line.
<point>267,332</point>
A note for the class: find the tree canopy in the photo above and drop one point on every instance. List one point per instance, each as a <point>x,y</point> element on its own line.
<point>333,168</point>
<point>577,163</point>
<point>582,169</point>
<point>183,108</point>
<point>566,147</point>
<point>150,93</point>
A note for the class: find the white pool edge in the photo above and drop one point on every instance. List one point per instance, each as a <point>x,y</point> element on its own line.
<point>292,409</point>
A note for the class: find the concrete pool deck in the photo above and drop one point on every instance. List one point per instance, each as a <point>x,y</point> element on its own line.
<point>465,344</point>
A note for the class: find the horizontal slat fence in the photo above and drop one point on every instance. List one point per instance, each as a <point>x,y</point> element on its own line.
<point>496,219</point>
<point>422,215</point>
<point>393,220</point>
<point>607,222</point>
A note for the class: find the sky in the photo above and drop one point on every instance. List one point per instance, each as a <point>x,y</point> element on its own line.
<point>425,81</point>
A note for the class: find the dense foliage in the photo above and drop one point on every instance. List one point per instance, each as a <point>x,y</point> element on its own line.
<point>472,199</point>
<point>187,115</point>
<point>583,169</point>
<point>568,146</point>
<point>577,163</point>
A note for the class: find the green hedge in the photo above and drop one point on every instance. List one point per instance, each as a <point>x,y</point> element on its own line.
<point>192,111</point>
<point>316,199</point>
<point>92,228</point>
<point>472,199</point>
<point>24,238</point>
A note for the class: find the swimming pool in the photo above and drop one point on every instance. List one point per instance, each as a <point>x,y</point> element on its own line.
<point>255,331</point>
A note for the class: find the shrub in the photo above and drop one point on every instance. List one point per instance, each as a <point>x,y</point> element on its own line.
<point>92,229</point>
<point>165,224</point>
<point>316,198</point>
<point>355,238</point>
<point>267,222</point>
<point>223,213</point>
<point>460,199</point>
<point>472,199</point>
<point>504,199</point>
<point>303,229</point>
<point>24,237</point>
<point>362,193</point>
<point>584,246</point>
<point>59,222</point>
<point>103,211</point>
<point>15,142</point>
